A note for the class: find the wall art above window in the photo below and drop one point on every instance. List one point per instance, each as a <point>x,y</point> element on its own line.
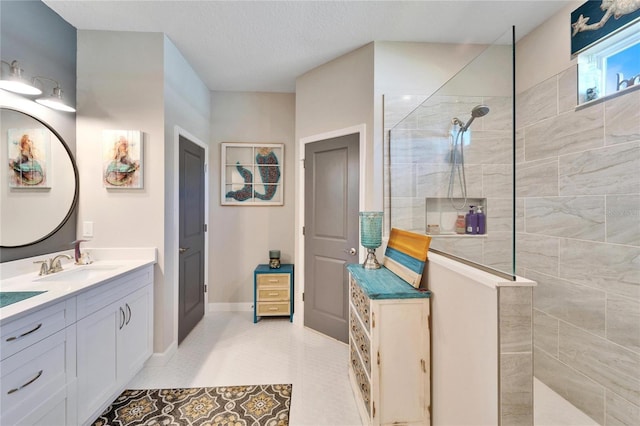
<point>252,174</point>
<point>122,159</point>
<point>605,36</point>
<point>596,20</point>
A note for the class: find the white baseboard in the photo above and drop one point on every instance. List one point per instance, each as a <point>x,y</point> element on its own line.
<point>230,307</point>
<point>161,359</point>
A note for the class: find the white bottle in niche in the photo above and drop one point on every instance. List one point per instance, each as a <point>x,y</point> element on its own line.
<point>482,221</point>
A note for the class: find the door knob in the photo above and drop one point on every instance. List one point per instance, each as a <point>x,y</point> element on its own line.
<point>352,251</point>
<point>183,249</point>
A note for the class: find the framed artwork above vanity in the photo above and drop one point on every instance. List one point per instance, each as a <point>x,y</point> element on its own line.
<point>122,159</point>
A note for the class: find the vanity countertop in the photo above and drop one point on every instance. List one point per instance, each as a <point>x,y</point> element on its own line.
<point>69,282</point>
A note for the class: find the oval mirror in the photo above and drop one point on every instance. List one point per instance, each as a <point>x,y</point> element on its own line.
<point>39,180</point>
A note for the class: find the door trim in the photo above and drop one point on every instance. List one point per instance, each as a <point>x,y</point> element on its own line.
<point>299,252</point>
<point>171,251</point>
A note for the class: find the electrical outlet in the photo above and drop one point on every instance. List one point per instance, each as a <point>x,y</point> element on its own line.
<point>87,229</point>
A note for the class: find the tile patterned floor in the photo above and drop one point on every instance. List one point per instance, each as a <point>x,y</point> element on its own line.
<point>226,348</point>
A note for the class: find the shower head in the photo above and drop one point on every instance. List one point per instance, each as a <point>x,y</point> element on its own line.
<point>477,111</point>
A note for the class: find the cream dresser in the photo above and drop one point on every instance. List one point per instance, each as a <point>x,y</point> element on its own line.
<point>389,365</point>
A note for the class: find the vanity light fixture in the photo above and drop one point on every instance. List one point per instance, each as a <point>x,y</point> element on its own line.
<point>16,83</point>
<point>53,101</point>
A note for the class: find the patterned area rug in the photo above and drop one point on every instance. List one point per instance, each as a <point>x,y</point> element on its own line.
<point>260,405</point>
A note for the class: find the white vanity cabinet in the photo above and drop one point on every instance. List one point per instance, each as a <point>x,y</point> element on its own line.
<point>114,339</point>
<point>38,367</point>
<point>389,364</point>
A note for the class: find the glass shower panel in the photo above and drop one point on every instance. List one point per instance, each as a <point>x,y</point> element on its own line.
<point>452,153</point>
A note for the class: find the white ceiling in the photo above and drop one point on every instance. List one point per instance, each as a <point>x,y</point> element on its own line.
<point>264,45</point>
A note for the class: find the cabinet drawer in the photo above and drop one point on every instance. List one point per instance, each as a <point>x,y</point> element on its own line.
<point>273,280</point>
<point>360,302</point>
<point>361,379</point>
<point>113,290</point>
<point>273,295</point>
<point>56,410</point>
<point>31,376</point>
<point>273,308</point>
<point>360,340</point>
<point>25,331</point>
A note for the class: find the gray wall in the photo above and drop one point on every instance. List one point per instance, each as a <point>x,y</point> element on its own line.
<point>578,233</point>
<point>45,45</point>
<point>187,105</point>
<point>129,80</point>
<point>578,202</point>
<point>240,236</point>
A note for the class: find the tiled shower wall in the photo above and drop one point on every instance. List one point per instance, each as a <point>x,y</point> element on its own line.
<point>578,237</point>
<point>418,164</point>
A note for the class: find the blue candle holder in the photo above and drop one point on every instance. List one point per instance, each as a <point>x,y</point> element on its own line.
<point>371,237</point>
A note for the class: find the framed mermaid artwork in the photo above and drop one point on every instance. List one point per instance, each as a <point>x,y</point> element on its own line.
<point>252,174</point>
<point>29,152</point>
<point>122,159</point>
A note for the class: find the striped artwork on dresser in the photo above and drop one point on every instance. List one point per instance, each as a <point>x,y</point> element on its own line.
<point>406,255</point>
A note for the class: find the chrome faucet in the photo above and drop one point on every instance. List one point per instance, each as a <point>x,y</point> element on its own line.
<point>55,265</point>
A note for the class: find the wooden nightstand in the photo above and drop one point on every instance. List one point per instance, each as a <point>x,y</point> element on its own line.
<point>273,291</point>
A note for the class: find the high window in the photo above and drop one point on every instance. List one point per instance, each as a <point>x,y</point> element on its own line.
<point>610,66</point>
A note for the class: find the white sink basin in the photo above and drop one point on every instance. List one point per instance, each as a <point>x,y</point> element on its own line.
<point>82,273</point>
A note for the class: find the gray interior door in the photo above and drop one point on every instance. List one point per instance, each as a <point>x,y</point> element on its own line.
<point>191,239</point>
<point>331,232</point>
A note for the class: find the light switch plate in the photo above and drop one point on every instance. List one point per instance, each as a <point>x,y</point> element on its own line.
<point>87,229</point>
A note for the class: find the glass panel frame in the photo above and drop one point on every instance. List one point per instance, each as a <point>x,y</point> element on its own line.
<point>448,147</point>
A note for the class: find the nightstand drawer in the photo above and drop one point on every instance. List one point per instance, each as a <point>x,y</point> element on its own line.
<point>273,308</point>
<point>273,295</point>
<point>273,280</point>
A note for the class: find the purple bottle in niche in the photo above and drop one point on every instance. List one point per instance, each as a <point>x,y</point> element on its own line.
<point>472,221</point>
<point>482,221</point>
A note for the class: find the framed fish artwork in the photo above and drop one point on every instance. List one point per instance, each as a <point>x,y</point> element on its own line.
<point>252,174</point>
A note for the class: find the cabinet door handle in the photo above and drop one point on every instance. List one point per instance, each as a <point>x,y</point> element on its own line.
<point>273,280</point>
<point>273,309</point>
<point>122,318</point>
<point>26,384</point>
<point>129,312</point>
<point>274,294</point>
<point>12,338</point>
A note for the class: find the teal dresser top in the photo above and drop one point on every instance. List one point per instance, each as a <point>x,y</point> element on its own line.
<point>384,284</point>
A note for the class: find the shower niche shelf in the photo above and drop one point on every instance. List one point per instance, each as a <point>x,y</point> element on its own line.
<point>442,211</point>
